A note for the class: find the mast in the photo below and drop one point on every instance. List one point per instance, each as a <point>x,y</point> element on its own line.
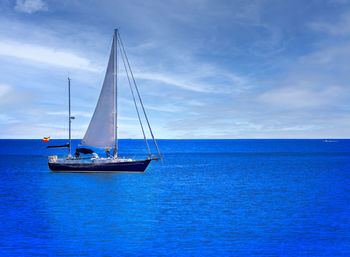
<point>69,120</point>
<point>115,94</point>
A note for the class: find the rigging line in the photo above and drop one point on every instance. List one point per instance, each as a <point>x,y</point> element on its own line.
<point>133,97</point>
<point>138,93</point>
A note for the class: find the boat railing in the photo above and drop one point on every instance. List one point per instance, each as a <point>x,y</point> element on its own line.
<point>52,158</point>
<point>155,157</point>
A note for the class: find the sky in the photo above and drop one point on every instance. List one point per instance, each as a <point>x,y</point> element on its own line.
<point>205,68</point>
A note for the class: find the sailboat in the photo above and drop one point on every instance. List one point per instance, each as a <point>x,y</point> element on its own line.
<point>102,131</point>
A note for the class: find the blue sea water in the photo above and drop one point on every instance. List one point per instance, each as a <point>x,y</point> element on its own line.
<point>207,198</point>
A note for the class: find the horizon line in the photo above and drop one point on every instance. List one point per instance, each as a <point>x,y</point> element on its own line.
<point>329,138</point>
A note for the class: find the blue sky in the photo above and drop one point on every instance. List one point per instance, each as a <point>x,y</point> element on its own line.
<point>205,69</point>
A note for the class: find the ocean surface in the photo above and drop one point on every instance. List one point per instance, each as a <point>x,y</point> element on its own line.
<point>207,198</point>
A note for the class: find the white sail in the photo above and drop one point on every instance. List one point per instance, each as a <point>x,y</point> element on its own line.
<point>101,131</point>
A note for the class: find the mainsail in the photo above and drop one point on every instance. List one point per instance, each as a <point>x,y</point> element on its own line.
<point>102,128</point>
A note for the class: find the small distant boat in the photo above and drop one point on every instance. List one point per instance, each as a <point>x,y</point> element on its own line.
<point>330,141</point>
<point>103,128</point>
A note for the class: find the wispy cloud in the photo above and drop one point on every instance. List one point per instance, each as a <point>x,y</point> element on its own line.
<point>30,6</point>
<point>46,55</point>
<point>4,89</point>
<point>6,119</point>
<point>197,77</point>
<point>339,28</point>
<point>171,108</point>
<point>170,80</point>
<point>10,96</point>
<point>302,96</point>
<point>78,114</point>
<point>339,1</point>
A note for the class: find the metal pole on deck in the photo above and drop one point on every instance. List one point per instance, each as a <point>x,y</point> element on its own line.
<point>70,120</point>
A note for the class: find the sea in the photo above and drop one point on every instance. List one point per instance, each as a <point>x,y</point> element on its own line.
<point>205,198</point>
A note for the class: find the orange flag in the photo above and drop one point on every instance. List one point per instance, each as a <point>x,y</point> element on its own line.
<point>46,139</point>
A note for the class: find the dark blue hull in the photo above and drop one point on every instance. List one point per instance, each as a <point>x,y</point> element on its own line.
<point>130,166</point>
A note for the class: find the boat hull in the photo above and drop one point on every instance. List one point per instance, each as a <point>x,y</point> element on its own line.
<point>95,167</point>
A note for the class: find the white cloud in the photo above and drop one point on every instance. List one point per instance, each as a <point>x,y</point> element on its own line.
<point>340,28</point>
<point>6,119</point>
<point>338,1</point>
<point>162,108</point>
<point>75,114</point>
<point>200,80</point>
<point>78,115</point>
<point>30,6</point>
<point>9,95</point>
<point>167,79</point>
<point>47,55</point>
<point>301,96</point>
<point>330,57</point>
<point>4,89</point>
